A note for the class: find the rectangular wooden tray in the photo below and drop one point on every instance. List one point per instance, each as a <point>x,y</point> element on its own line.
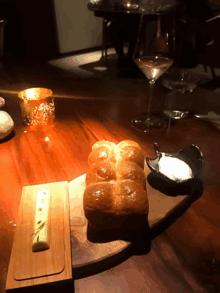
<point>27,268</point>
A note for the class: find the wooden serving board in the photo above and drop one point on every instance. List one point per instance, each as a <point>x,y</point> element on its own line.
<point>85,252</point>
<point>29,268</point>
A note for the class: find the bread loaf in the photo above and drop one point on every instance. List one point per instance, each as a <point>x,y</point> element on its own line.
<point>115,195</point>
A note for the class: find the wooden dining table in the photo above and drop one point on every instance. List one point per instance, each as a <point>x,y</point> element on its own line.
<point>185,255</point>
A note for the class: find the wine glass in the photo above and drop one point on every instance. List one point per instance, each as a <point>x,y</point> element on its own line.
<point>153,62</point>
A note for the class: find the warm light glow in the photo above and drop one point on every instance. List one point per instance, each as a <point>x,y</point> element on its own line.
<point>47,138</point>
<point>12,223</point>
<point>174,168</point>
<point>117,155</point>
<point>104,98</point>
<point>9,92</point>
<point>92,57</point>
<point>155,72</point>
<point>4,118</point>
<point>74,65</point>
<point>100,68</point>
<point>30,94</point>
<point>37,106</point>
<point>70,63</point>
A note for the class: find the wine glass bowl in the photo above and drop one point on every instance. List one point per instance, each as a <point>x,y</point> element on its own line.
<point>153,62</point>
<point>153,66</point>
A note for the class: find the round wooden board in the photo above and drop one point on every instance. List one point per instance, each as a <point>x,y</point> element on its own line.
<point>85,252</point>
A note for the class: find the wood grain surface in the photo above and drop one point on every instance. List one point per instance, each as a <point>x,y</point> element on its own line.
<point>28,268</point>
<point>86,252</point>
<point>185,253</point>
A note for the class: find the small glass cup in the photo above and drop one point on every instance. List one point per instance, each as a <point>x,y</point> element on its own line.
<point>37,106</point>
<point>178,101</point>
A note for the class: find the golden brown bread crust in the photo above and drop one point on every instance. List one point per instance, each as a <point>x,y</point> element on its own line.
<point>115,195</point>
<point>101,171</point>
<point>132,154</point>
<point>99,196</point>
<point>119,197</point>
<point>125,143</point>
<point>130,170</point>
<point>133,198</point>
<point>102,154</point>
<point>116,205</point>
<point>102,143</point>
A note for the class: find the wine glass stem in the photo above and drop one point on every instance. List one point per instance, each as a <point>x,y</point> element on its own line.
<point>151,82</point>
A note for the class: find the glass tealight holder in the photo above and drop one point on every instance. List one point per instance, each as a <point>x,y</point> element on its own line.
<point>37,106</point>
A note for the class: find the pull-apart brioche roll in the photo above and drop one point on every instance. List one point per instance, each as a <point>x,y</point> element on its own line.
<point>130,151</point>
<point>101,171</point>
<point>99,197</point>
<point>115,197</point>
<point>98,203</point>
<point>132,171</point>
<point>104,143</point>
<point>126,143</point>
<point>133,198</point>
<point>102,154</point>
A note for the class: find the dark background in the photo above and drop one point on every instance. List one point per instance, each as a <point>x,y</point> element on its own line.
<point>31,28</point>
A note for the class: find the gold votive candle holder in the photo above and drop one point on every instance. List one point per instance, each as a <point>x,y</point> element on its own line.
<point>37,106</point>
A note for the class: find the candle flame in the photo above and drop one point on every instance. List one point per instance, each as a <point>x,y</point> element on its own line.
<point>30,94</point>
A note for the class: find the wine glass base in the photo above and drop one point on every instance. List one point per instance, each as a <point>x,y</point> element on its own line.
<point>148,124</point>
